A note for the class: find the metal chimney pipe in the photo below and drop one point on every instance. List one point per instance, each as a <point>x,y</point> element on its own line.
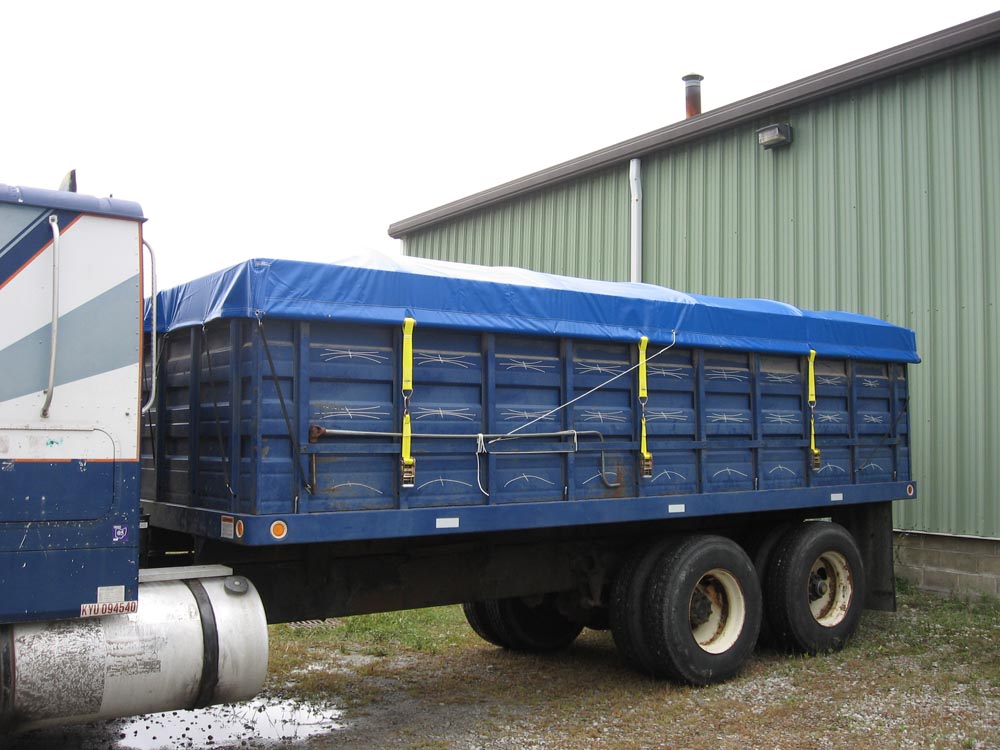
<point>692,93</point>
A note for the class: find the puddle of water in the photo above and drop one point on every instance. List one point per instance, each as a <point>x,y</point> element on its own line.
<point>257,723</point>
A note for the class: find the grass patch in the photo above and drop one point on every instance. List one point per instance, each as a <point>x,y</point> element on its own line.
<point>343,659</point>
<point>430,630</point>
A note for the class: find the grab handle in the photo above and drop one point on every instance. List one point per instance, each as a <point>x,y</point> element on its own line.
<point>54,224</point>
<point>152,333</point>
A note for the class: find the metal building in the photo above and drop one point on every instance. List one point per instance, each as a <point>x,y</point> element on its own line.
<point>883,200</point>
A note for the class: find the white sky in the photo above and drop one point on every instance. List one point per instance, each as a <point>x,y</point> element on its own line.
<point>302,130</point>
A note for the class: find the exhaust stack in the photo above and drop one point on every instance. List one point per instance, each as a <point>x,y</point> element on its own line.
<point>692,93</point>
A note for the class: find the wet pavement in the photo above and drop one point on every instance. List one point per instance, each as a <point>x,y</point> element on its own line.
<point>260,724</point>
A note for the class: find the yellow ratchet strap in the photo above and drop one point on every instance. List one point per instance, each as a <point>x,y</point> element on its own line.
<point>408,324</point>
<point>408,464</point>
<point>813,450</point>
<point>643,343</point>
<point>647,457</point>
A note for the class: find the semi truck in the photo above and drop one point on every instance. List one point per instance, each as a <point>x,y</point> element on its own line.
<point>285,440</point>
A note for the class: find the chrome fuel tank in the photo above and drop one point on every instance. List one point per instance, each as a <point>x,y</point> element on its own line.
<point>191,643</point>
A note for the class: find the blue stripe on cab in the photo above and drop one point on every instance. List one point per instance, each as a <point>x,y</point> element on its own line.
<point>26,247</point>
<point>14,222</point>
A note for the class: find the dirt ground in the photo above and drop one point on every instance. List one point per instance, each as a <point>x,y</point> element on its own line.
<point>927,676</point>
<point>586,699</point>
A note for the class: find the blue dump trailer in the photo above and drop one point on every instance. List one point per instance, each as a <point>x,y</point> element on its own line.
<point>316,440</point>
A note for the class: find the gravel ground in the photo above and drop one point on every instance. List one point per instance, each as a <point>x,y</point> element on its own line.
<point>927,676</point>
<point>585,699</point>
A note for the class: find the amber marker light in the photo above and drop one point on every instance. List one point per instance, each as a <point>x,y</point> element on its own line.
<point>279,529</point>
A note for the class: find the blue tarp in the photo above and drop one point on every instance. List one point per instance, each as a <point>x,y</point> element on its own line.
<point>384,289</point>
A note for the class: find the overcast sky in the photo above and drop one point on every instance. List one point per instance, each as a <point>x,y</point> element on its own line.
<point>302,130</point>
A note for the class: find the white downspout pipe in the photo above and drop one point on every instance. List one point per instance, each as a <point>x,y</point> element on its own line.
<point>635,236</point>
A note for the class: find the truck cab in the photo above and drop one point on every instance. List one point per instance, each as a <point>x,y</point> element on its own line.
<point>70,351</point>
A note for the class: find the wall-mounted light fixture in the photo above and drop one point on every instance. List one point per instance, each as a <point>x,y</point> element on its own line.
<point>775,136</point>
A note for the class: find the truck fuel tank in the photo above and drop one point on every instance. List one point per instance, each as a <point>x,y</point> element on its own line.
<point>192,642</point>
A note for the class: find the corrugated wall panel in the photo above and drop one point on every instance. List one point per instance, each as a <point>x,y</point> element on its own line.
<point>989,117</point>
<point>886,203</point>
<point>579,229</point>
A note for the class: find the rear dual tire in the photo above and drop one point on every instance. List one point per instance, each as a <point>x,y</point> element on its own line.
<point>530,625</point>
<point>691,608</point>
<point>688,610</point>
<point>480,620</point>
<point>702,611</point>
<point>815,588</point>
<point>627,602</point>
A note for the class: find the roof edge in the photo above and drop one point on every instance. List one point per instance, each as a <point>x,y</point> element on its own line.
<point>970,35</point>
<point>80,202</point>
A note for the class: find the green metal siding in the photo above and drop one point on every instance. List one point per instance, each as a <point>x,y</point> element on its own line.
<point>580,228</point>
<point>885,203</point>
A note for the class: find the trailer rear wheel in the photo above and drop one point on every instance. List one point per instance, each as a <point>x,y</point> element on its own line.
<point>815,588</point>
<point>702,610</point>
<point>763,552</point>
<point>627,598</point>
<point>479,620</point>
<point>534,624</point>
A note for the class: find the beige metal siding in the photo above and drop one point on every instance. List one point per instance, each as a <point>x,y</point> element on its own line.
<point>886,203</point>
<point>578,229</point>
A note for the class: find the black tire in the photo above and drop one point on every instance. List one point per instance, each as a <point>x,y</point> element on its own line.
<point>627,598</point>
<point>479,620</point>
<point>816,588</point>
<point>702,612</point>
<point>527,625</point>
<point>763,551</point>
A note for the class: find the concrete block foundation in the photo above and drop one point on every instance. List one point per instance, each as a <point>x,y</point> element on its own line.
<point>953,565</point>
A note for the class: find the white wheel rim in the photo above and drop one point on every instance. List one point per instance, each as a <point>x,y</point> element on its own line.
<point>830,589</point>
<point>717,611</point>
